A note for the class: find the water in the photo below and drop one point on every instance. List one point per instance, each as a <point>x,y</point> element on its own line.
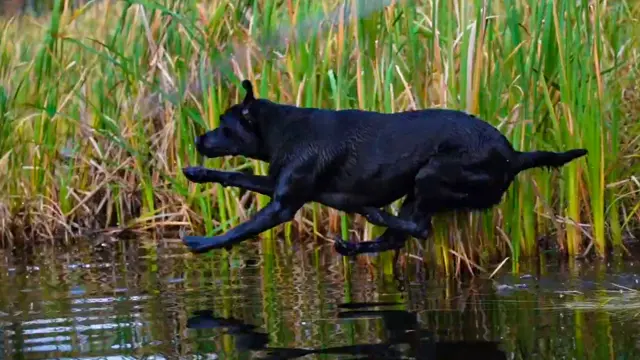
<point>124,302</point>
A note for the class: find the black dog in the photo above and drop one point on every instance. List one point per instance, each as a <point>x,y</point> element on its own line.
<point>360,161</point>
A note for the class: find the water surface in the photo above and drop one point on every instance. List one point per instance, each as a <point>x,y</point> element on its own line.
<point>127,302</point>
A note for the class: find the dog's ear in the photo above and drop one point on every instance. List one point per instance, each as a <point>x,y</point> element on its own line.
<point>248,98</point>
<point>246,85</point>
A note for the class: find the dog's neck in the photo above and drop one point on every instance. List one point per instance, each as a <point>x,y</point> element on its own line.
<point>270,120</point>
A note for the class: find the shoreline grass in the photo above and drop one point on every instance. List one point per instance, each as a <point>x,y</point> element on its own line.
<point>99,106</point>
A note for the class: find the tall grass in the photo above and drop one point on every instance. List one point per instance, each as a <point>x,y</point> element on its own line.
<point>99,106</point>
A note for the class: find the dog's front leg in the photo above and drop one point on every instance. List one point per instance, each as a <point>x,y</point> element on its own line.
<point>260,184</point>
<point>264,185</point>
<point>293,186</point>
<point>275,213</point>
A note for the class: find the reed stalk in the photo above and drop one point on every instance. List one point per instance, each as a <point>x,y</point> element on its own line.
<point>99,110</point>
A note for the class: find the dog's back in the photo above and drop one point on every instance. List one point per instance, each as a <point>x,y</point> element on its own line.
<point>365,151</point>
<point>411,136</point>
<point>369,150</point>
<point>415,130</point>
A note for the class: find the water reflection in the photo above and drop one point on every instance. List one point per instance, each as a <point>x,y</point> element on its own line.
<point>303,302</point>
<point>246,336</point>
<point>405,338</point>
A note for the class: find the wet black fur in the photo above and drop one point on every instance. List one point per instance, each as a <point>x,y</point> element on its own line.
<point>360,161</point>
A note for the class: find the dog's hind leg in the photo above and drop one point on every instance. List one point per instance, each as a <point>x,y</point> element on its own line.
<point>383,218</point>
<point>391,239</point>
<point>353,203</point>
<point>433,191</point>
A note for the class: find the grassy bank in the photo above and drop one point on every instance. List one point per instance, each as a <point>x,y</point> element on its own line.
<point>99,107</point>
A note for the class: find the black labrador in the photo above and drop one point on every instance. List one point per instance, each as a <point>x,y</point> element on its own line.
<point>360,161</point>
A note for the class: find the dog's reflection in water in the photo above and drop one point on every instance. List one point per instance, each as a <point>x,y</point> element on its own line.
<point>405,338</point>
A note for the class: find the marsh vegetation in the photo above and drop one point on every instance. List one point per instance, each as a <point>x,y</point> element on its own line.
<point>100,104</point>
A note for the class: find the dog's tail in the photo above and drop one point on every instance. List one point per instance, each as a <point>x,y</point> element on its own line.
<point>533,159</point>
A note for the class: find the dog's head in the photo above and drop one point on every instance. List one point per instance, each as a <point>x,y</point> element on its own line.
<point>238,133</point>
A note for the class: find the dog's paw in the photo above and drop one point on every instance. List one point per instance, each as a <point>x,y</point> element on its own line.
<point>423,234</point>
<point>374,217</point>
<point>202,244</point>
<point>196,174</point>
<point>345,248</point>
<point>195,244</point>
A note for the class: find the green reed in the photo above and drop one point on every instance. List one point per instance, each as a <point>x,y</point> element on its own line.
<point>99,107</point>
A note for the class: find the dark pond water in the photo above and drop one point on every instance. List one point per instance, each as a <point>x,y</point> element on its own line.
<point>125,302</point>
